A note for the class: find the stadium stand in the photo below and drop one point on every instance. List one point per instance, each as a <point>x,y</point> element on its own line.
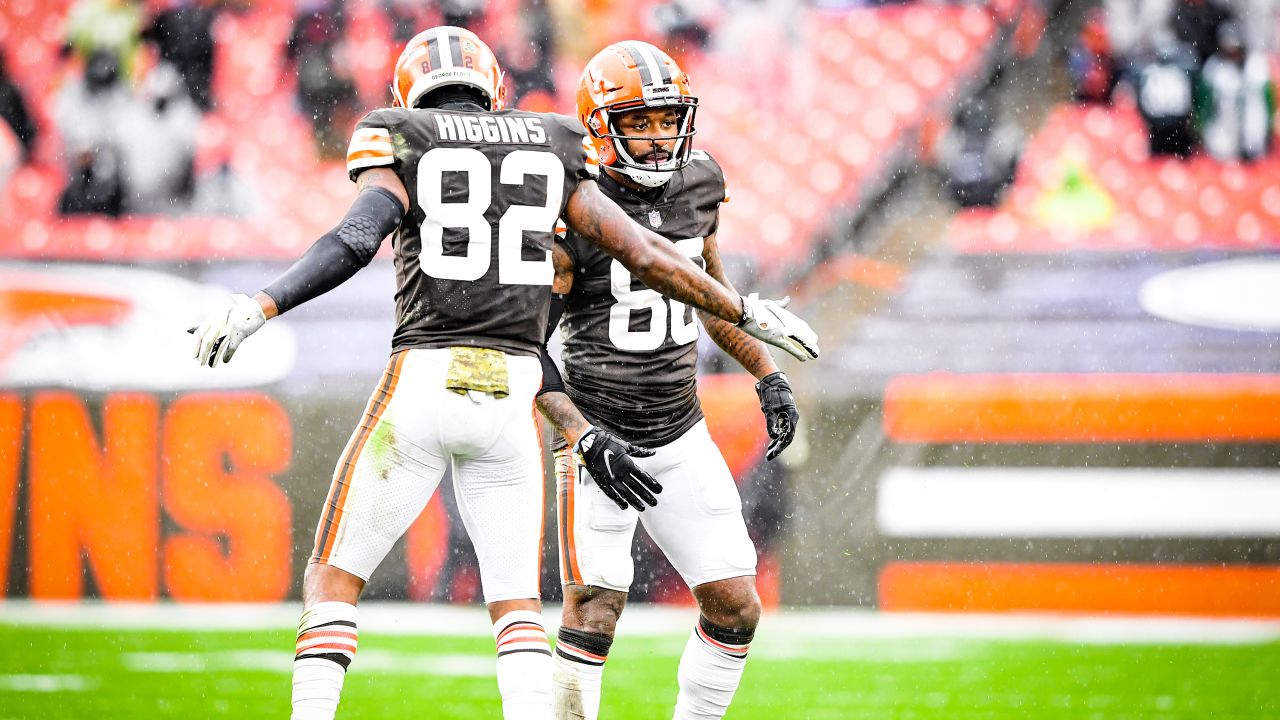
<point>819,151</point>
<point>1075,191</point>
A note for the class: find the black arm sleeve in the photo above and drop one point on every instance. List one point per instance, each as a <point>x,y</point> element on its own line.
<point>341,252</point>
<point>551,380</point>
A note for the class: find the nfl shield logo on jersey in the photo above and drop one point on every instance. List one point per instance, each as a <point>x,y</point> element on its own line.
<point>655,218</point>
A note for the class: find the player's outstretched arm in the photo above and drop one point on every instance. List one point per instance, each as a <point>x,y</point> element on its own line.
<point>662,267</point>
<point>750,353</point>
<point>777,402</point>
<point>377,211</point>
<point>649,256</point>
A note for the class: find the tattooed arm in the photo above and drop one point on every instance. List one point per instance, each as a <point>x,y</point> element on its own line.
<point>554,404</point>
<point>649,256</point>
<point>750,353</point>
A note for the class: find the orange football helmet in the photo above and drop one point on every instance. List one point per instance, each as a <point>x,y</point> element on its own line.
<point>447,55</point>
<point>627,76</point>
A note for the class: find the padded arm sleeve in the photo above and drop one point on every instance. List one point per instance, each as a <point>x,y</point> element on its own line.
<point>341,252</point>
<point>551,380</point>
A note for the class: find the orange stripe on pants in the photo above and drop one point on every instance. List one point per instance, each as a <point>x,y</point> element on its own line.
<point>331,517</point>
<point>570,574</point>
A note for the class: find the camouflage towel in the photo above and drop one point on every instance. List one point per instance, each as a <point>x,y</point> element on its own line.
<point>475,368</point>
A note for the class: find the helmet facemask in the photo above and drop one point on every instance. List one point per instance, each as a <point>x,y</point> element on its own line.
<point>649,174</point>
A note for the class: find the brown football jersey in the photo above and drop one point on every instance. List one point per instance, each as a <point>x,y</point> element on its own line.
<point>472,255</point>
<point>630,354</point>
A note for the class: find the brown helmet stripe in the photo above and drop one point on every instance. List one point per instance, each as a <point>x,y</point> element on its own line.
<point>633,50</point>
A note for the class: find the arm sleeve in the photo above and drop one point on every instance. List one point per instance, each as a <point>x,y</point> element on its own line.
<point>341,252</point>
<point>551,380</point>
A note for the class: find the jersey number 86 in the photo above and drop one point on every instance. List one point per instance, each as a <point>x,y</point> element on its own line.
<point>660,308</point>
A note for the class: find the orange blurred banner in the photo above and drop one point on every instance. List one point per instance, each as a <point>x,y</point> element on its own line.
<point>1082,408</point>
<point>1081,588</point>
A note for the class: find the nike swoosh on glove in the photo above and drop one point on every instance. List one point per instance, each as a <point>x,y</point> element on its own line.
<point>218,337</point>
<point>609,460</point>
<point>770,321</point>
<point>780,413</point>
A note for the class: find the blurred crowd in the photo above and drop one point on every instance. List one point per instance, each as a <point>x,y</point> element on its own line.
<point>134,102</point>
<point>1199,71</point>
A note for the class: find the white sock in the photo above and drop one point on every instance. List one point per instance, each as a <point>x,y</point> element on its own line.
<point>710,670</point>
<point>326,646</point>
<point>579,671</point>
<point>524,666</point>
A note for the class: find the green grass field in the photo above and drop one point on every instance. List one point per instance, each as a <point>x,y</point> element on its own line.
<point>49,672</point>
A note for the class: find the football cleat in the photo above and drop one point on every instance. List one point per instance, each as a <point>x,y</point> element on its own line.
<point>630,75</point>
<point>447,55</point>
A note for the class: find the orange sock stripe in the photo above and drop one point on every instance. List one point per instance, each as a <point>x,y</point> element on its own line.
<point>328,532</point>
<point>716,643</point>
<point>326,634</point>
<point>521,626</point>
<point>330,646</point>
<point>567,647</point>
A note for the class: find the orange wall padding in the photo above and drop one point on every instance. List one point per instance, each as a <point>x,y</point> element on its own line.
<point>1082,408</point>
<point>1081,588</point>
<point>734,419</point>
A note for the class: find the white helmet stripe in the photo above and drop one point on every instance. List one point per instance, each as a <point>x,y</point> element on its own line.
<point>442,42</point>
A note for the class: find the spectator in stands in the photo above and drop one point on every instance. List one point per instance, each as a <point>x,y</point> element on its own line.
<point>158,146</point>
<point>528,58</point>
<point>978,156</point>
<point>183,36</point>
<point>326,90</point>
<point>90,111</point>
<point>1089,60</point>
<point>1237,100</point>
<point>463,13</point>
<point>1132,23</point>
<point>13,108</point>
<point>95,186</point>
<point>222,191</point>
<point>1196,23</point>
<point>682,30</point>
<point>11,154</point>
<point>1165,89</point>
<point>407,17</point>
<point>105,25</point>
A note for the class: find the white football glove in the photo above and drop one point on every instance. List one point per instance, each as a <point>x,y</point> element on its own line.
<point>771,322</point>
<point>218,337</point>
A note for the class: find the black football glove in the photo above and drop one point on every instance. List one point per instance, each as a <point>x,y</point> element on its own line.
<point>780,414</point>
<point>609,460</point>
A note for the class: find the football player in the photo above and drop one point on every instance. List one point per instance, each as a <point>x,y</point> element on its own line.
<point>630,356</point>
<point>472,193</point>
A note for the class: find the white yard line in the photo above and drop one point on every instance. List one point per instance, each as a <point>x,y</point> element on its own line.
<point>641,621</point>
<point>46,683</point>
<point>383,661</point>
